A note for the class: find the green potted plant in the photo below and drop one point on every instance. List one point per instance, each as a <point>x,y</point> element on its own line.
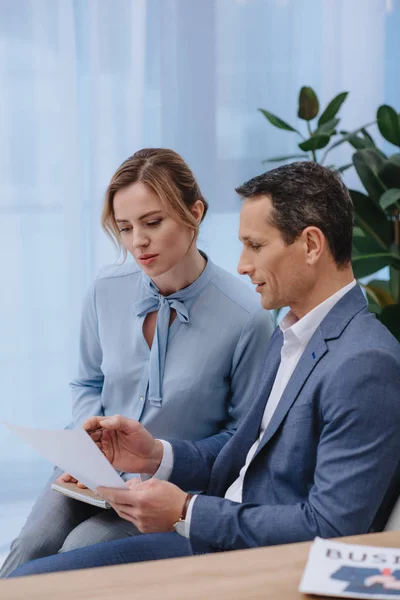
<point>376,242</point>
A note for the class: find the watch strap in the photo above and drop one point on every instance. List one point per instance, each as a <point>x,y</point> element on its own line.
<point>186,506</point>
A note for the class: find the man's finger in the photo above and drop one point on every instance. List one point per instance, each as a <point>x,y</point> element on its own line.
<point>118,423</point>
<point>126,514</point>
<point>116,496</point>
<point>134,482</point>
<point>91,423</point>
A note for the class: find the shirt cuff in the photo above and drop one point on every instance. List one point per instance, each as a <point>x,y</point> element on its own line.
<point>166,465</point>
<point>188,517</point>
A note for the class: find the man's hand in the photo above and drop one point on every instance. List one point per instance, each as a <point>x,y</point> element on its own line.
<point>153,506</point>
<point>126,444</point>
<point>67,478</point>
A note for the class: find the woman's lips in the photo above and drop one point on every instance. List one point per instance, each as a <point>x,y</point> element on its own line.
<point>147,259</point>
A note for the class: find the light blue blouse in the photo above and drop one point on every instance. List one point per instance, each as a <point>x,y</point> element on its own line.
<point>210,366</point>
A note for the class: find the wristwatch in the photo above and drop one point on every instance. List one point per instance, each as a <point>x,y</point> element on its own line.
<point>179,526</point>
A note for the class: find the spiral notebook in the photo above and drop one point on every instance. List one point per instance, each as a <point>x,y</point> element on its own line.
<point>84,495</point>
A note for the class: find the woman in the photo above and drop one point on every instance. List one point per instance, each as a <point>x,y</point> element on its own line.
<point>173,341</point>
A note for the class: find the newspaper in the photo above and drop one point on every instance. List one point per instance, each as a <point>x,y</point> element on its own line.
<point>351,571</point>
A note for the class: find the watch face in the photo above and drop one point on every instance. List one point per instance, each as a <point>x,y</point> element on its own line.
<point>179,527</point>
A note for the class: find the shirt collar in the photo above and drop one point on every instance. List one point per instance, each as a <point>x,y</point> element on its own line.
<point>299,331</point>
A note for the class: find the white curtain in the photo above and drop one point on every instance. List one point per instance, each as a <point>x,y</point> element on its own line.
<point>83,85</point>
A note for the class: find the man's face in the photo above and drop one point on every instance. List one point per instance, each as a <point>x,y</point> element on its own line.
<point>280,271</point>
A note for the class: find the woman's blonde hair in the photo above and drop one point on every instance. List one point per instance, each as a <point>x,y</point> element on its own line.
<point>165,172</point>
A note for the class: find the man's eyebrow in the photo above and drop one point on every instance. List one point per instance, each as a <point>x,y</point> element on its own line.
<point>245,238</point>
<point>148,214</point>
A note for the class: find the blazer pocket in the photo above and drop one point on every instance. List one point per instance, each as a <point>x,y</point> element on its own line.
<point>298,413</point>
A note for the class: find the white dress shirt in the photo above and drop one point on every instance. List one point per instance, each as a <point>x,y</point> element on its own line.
<point>296,335</point>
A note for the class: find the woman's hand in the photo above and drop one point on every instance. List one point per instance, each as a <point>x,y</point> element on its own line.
<point>126,444</point>
<point>67,478</point>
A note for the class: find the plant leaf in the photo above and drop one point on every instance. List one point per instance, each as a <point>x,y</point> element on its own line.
<point>367,264</point>
<point>389,124</point>
<point>368,137</point>
<point>389,197</point>
<point>308,104</point>
<point>390,316</point>
<point>277,122</point>
<point>316,142</point>
<point>289,157</point>
<point>358,142</point>
<point>333,108</point>
<point>366,245</point>
<point>344,168</point>
<point>395,275</point>
<point>374,308</point>
<point>345,138</point>
<point>328,127</point>
<point>379,292</point>
<point>358,232</point>
<point>395,158</point>
<point>371,219</point>
<point>367,163</point>
<point>389,173</point>
<point>395,261</point>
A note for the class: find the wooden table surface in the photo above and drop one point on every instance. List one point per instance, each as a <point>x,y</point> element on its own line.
<point>267,573</point>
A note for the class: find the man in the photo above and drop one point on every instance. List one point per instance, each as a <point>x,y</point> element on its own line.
<point>318,452</point>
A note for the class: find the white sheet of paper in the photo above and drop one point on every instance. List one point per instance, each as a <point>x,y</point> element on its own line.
<point>73,451</point>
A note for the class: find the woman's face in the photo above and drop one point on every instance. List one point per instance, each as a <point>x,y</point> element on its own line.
<point>156,240</point>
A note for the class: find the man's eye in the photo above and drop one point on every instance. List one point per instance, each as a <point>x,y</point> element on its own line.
<point>255,246</point>
<point>154,223</point>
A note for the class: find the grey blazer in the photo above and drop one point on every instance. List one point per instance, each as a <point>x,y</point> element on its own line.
<point>329,461</point>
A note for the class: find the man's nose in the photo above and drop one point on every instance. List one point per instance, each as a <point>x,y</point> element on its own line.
<point>244,265</point>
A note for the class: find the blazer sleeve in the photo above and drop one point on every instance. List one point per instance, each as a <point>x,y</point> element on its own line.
<point>87,387</point>
<point>193,461</point>
<point>357,460</point>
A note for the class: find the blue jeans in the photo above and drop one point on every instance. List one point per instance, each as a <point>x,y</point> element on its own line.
<point>140,548</point>
<point>60,524</point>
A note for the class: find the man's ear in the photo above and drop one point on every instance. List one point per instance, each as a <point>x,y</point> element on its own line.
<point>198,210</point>
<point>314,244</point>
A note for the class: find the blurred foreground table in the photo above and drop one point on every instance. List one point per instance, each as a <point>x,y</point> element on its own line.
<point>263,573</point>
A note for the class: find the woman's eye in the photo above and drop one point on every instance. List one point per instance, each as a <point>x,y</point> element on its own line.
<point>154,223</point>
<point>124,229</point>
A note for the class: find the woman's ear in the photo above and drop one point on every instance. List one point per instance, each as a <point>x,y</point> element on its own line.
<point>198,211</point>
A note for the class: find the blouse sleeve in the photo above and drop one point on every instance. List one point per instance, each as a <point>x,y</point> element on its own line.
<point>246,363</point>
<point>87,387</point>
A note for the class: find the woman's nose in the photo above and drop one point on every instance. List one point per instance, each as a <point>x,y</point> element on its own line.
<point>139,239</point>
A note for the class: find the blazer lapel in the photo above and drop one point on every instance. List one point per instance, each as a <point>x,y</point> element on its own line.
<point>313,353</point>
<point>251,422</point>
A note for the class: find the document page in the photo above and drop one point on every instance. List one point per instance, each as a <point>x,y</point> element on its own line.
<point>73,451</point>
